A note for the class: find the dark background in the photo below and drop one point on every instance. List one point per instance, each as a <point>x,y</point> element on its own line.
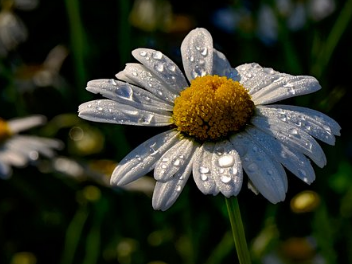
<point>53,214</point>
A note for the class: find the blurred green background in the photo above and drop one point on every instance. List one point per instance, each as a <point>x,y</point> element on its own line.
<point>63,211</point>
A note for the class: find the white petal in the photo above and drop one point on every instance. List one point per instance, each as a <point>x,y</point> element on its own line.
<point>164,68</point>
<point>313,122</point>
<point>128,94</point>
<point>197,53</point>
<point>13,158</point>
<point>227,168</point>
<point>108,111</point>
<point>31,146</point>
<point>266,85</point>
<point>292,159</point>
<point>202,169</point>
<point>174,160</point>
<point>221,65</point>
<point>24,123</point>
<point>166,193</point>
<point>142,159</point>
<point>143,77</point>
<point>292,136</point>
<point>267,175</point>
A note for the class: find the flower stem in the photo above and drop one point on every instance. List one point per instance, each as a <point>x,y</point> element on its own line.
<point>238,230</point>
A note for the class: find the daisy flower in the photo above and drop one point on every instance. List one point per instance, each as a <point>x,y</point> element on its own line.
<point>19,150</point>
<point>222,122</point>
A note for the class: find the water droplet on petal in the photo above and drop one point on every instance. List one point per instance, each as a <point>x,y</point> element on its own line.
<point>143,53</point>
<point>226,161</point>
<point>233,171</point>
<point>112,81</point>
<point>327,129</point>
<point>178,188</point>
<point>252,167</point>
<point>219,151</point>
<point>293,131</point>
<point>125,92</point>
<point>283,117</point>
<point>146,119</point>
<point>225,178</point>
<point>204,52</point>
<point>100,109</point>
<point>203,177</point>
<point>157,55</point>
<point>159,67</point>
<point>172,67</point>
<point>204,170</point>
<point>191,59</point>
<point>177,163</point>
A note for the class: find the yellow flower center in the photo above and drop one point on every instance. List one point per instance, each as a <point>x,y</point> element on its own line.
<point>212,107</point>
<point>5,131</point>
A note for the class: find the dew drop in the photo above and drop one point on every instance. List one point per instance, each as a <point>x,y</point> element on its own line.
<point>204,170</point>
<point>327,129</point>
<point>134,73</point>
<point>172,67</point>
<point>165,159</point>
<point>204,51</point>
<point>198,72</point>
<point>125,92</point>
<point>233,171</point>
<point>226,161</point>
<point>89,106</point>
<point>309,145</point>
<point>146,119</point>
<point>252,167</point>
<point>138,158</point>
<point>283,117</point>
<point>219,151</point>
<point>143,53</point>
<point>177,162</point>
<point>100,109</point>
<point>293,131</point>
<point>203,177</point>
<point>225,178</point>
<point>178,188</point>
<point>157,55</point>
<point>112,81</point>
<point>159,67</point>
<point>191,59</point>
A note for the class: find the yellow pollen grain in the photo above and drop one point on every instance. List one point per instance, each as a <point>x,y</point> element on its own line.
<point>212,107</point>
<point>5,131</point>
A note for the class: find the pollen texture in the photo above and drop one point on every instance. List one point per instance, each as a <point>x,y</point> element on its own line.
<point>4,130</point>
<point>212,107</point>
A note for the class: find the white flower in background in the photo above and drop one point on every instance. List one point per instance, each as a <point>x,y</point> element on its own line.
<point>220,122</point>
<point>19,150</point>
<point>12,29</point>
<point>12,32</point>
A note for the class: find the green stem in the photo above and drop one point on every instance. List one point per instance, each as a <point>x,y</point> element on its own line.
<point>233,209</point>
<point>78,44</point>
